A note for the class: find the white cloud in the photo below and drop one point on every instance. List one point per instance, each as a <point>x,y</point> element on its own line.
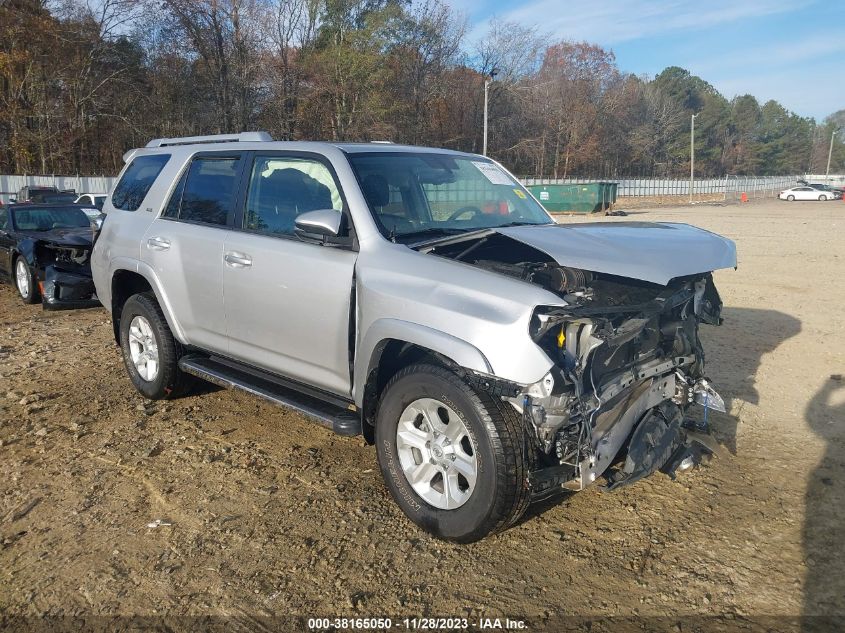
<point>780,54</point>
<point>608,22</point>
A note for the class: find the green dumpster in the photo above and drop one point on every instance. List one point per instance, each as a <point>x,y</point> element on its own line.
<point>576,197</point>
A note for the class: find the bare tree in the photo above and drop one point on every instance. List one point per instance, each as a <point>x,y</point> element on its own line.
<point>514,50</point>
<point>291,28</point>
<point>224,35</point>
<point>426,42</point>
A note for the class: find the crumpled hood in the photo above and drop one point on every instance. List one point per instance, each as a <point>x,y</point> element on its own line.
<point>649,251</point>
<point>77,236</point>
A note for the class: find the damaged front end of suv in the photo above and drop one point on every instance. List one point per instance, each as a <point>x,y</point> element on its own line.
<point>627,358</point>
<point>628,363</point>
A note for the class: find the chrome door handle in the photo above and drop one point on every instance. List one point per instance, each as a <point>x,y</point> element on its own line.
<point>237,260</point>
<point>158,244</point>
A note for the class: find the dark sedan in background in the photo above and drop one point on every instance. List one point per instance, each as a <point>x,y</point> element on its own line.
<point>45,250</point>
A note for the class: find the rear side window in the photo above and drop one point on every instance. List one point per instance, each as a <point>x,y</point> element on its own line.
<point>206,191</point>
<point>137,180</point>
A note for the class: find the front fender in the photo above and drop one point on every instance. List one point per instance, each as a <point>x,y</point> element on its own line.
<point>383,330</point>
<point>26,248</point>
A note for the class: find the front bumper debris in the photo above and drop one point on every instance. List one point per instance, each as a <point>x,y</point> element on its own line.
<point>65,290</point>
<point>640,429</point>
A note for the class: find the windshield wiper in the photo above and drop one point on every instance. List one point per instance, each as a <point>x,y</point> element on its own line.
<point>518,223</point>
<point>436,234</point>
<point>457,236</point>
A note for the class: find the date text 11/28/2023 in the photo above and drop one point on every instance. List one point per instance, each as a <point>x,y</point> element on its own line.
<point>417,624</point>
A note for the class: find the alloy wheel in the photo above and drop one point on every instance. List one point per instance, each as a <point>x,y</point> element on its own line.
<point>22,278</point>
<point>436,453</point>
<point>143,348</point>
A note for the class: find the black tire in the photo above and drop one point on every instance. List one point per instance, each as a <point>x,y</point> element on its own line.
<point>790,198</point>
<point>505,455</point>
<point>33,296</point>
<point>822,198</point>
<point>170,381</point>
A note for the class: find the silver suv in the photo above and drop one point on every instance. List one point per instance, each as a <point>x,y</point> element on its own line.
<point>419,297</point>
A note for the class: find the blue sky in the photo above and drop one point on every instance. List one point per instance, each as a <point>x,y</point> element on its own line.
<point>789,50</point>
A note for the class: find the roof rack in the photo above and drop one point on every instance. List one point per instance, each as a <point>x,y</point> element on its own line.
<point>243,137</point>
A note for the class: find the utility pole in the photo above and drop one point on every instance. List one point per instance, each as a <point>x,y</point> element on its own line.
<point>829,154</point>
<point>691,155</point>
<point>488,79</point>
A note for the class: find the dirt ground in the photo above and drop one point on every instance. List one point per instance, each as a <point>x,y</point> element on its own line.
<point>265,514</point>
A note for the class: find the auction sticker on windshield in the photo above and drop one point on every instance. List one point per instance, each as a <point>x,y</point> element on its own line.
<point>493,173</point>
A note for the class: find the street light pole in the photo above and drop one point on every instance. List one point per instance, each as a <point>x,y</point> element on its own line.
<point>691,155</point>
<point>488,79</point>
<point>486,89</point>
<point>829,154</point>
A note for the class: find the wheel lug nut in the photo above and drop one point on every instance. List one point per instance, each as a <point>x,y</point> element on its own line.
<point>452,457</point>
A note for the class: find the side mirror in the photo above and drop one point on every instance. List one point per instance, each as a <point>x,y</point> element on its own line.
<point>323,222</point>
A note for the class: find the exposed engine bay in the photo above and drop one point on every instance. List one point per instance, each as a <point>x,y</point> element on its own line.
<point>72,257</point>
<point>628,364</point>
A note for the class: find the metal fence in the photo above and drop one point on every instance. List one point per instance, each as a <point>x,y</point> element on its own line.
<point>10,185</point>
<point>729,187</point>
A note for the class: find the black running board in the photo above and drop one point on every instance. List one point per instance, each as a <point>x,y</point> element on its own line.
<point>227,374</point>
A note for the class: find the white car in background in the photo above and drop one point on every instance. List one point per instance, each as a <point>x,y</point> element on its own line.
<point>93,199</point>
<point>806,193</point>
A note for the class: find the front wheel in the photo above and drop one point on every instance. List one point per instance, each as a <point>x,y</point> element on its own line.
<point>454,459</point>
<point>150,352</point>
<point>790,198</point>
<point>822,198</point>
<point>25,281</point>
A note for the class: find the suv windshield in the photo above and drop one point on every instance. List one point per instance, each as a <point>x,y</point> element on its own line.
<point>33,219</point>
<point>419,194</point>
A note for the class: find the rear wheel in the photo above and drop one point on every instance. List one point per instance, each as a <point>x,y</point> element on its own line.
<point>790,198</point>
<point>25,281</point>
<point>453,459</point>
<point>150,352</point>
